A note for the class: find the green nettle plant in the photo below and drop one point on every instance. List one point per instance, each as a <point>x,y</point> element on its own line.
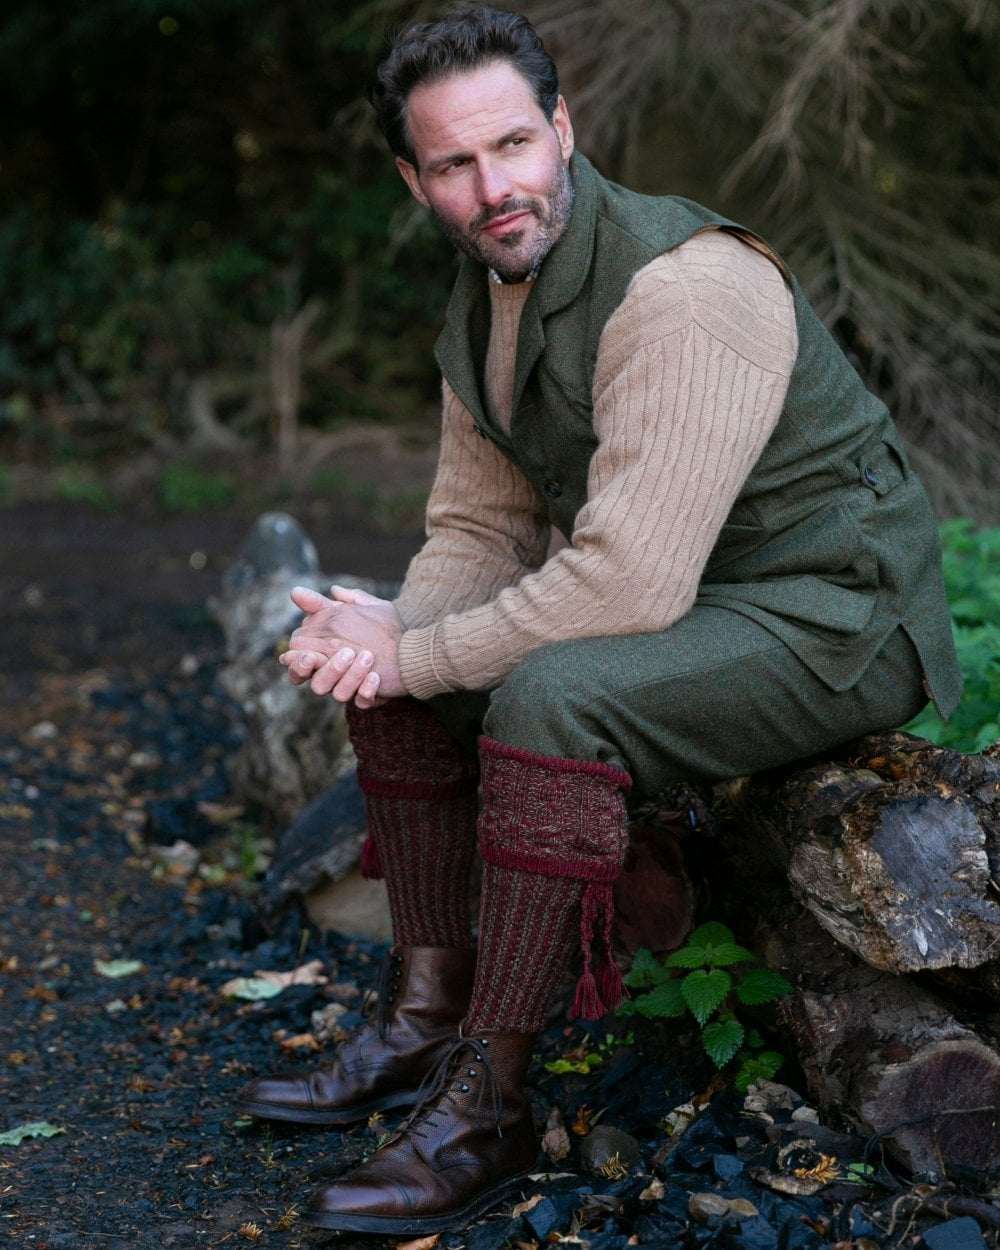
<point>971,563</point>
<point>695,978</point>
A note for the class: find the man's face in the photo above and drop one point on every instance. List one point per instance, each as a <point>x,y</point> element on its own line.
<point>491,168</point>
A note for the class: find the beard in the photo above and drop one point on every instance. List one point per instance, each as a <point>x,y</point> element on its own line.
<point>515,255</point>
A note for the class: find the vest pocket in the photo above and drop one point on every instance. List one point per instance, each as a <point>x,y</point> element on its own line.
<point>882,467</point>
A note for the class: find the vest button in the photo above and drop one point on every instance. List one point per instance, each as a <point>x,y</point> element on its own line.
<point>552,488</point>
<point>870,476</point>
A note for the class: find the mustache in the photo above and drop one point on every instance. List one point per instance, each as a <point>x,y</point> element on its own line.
<point>505,210</point>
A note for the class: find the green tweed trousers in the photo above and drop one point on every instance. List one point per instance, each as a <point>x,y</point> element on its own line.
<point>714,696</point>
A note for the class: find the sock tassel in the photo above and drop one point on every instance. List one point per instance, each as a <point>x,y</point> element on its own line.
<point>371,865</point>
<point>587,1004</point>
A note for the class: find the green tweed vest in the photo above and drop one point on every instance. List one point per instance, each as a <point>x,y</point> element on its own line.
<point>832,541</point>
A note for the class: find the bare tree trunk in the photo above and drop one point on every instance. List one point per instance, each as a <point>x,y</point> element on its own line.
<point>287,339</point>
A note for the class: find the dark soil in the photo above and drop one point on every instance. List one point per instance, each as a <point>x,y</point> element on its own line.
<point>114,738</point>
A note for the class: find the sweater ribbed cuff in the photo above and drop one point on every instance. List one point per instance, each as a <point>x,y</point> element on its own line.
<point>416,664</point>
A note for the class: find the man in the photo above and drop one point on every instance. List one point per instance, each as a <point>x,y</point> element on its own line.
<point>751,575</point>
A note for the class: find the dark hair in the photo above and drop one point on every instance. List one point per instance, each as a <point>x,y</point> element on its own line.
<point>461,41</point>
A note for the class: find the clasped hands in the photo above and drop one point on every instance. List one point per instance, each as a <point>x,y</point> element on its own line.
<point>347,646</point>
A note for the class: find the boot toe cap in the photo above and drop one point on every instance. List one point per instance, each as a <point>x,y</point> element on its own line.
<point>277,1091</point>
<point>357,1197</point>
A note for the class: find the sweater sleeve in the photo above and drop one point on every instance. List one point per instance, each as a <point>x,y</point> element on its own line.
<point>692,372</point>
<point>486,525</point>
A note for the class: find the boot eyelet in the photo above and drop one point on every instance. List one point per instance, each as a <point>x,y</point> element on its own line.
<point>470,1071</point>
<point>484,1041</point>
<point>464,1088</point>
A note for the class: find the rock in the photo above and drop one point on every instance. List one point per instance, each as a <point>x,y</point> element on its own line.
<point>962,1234</point>
<point>324,1022</point>
<point>609,1152</point>
<point>322,845</point>
<point>741,1209</point>
<point>771,1096</point>
<point>726,1167</point>
<point>355,907</point>
<point>180,859</point>
<point>542,1218</point>
<point>169,821</point>
<point>294,742</point>
<point>706,1206</point>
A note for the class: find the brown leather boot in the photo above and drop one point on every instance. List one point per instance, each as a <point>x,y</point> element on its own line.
<point>423,994</point>
<point>468,1145</point>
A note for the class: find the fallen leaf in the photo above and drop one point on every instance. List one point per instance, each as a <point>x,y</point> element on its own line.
<point>421,1243</point>
<point>676,1121</point>
<point>796,1185</point>
<point>306,974</point>
<point>117,967</point>
<point>301,1041</point>
<point>654,1191</point>
<point>528,1204</point>
<point>220,813</point>
<point>251,988</point>
<point>581,1125</point>
<point>37,1128</point>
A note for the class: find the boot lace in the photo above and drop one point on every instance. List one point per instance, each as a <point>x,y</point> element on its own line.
<point>378,1002</point>
<point>450,1075</point>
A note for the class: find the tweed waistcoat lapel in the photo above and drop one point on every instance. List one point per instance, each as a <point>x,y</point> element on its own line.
<point>461,347</point>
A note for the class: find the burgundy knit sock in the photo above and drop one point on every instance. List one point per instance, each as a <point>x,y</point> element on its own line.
<point>421,802</point>
<point>553,835</point>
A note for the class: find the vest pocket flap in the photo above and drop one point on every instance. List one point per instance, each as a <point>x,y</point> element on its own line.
<point>805,600</point>
<point>882,468</point>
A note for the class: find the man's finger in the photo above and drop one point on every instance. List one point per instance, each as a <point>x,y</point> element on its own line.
<point>309,600</point>
<point>345,689</point>
<point>300,665</point>
<point>351,595</point>
<point>328,675</point>
<point>367,691</point>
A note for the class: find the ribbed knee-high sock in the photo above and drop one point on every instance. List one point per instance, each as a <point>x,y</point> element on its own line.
<point>421,802</point>
<point>553,835</point>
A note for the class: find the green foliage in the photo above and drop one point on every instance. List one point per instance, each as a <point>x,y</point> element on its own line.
<point>583,1061</point>
<point>187,488</point>
<point>971,563</point>
<point>763,1066</point>
<point>252,856</point>
<point>694,979</point>
<point>392,509</point>
<point>225,188</point>
<point>80,484</point>
<point>584,1065</point>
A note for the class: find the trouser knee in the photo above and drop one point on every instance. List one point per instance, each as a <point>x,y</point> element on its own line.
<point>542,707</point>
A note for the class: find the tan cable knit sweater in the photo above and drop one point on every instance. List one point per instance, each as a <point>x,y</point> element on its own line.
<point>691,375</point>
